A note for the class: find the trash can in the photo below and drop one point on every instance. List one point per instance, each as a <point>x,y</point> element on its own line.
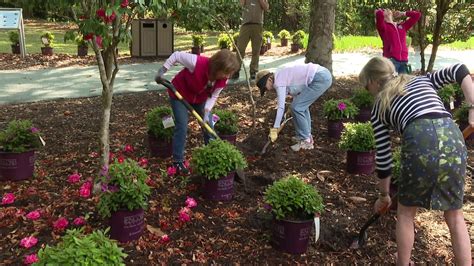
<point>152,37</point>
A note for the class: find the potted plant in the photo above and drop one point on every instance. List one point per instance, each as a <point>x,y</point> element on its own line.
<point>284,35</point>
<point>198,43</point>
<point>223,41</point>
<point>227,125</point>
<point>15,41</point>
<point>160,131</point>
<point>293,204</point>
<point>77,248</point>
<point>263,47</point>
<point>458,95</point>
<point>447,94</point>
<point>269,38</point>
<point>461,115</point>
<point>216,164</point>
<point>123,198</point>
<point>47,39</point>
<point>82,48</point>
<point>359,142</point>
<point>336,111</point>
<point>297,41</point>
<point>364,101</point>
<point>18,143</point>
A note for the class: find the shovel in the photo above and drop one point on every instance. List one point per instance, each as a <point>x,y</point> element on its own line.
<point>264,150</point>
<point>170,86</point>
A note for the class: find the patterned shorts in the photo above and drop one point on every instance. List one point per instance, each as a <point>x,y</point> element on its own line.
<point>433,165</point>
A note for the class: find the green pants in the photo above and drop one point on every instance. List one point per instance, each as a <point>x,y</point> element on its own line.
<point>253,33</point>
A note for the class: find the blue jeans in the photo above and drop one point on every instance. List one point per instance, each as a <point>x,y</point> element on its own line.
<point>400,66</point>
<point>321,82</point>
<point>181,117</point>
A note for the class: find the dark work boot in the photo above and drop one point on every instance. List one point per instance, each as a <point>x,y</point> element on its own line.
<point>181,168</point>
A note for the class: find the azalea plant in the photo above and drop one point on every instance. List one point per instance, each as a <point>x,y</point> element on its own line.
<point>339,109</point>
<point>284,34</point>
<point>292,199</point>
<point>224,41</point>
<point>154,121</point>
<point>362,98</point>
<point>461,115</point>
<point>123,187</point>
<point>77,248</point>
<point>357,137</point>
<point>19,136</point>
<point>227,122</point>
<point>49,38</point>
<point>198,40</point>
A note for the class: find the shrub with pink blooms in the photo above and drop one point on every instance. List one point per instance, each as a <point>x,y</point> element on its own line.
<point>28,241</point>
<point>8,198</point>
<point>60,224</point>
<point>19,136</point>
<point>339,109</point>
<point>30,259</point>
<point>124,187</point>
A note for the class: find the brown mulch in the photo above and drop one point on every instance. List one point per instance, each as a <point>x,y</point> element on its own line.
<point>219,232</point>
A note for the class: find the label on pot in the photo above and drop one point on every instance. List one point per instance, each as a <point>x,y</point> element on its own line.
<point>168,121</point>
<point>42,141</point>
<point>451,103</point>
<point>316,228</point>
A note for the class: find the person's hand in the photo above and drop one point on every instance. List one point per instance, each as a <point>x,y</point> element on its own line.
<point>397,14</point>
<point>159,75</point>
<point>471,117</point>
<point>382,204</point>
<point>273,135</point>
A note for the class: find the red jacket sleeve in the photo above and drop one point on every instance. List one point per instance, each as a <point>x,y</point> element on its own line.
<point>413,17</point>
<point>379,22</point>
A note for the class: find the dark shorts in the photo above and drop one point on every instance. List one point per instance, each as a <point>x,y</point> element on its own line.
<point>433,165</point>
<point>400,66</point>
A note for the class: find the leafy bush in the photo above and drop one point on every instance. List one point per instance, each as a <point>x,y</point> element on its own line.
<point>124,187</point>
<point>198,40</point>
<point>228,122</point>
<point>79,249</point>
<point>291,198</point>
<point>223,41</point>
<point>14,37</point>
<point>362,98</point>
<point>298,37</point>
<point>457,90</point>
<point>50,37</point>
<point>76,37</point>
<point>284,34</point>
<point>446,94</point>
<point>19,136</point>
<point>357,137</point>
<point>217,159</point>
<point>462,114</point>
<point>339,109</point>
<point>154,121</point>
<point>268,36</point>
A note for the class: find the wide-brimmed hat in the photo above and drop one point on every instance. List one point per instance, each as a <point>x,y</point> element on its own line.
<point>261,80</point>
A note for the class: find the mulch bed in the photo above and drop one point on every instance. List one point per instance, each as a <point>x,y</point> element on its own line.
<point>219,232</point>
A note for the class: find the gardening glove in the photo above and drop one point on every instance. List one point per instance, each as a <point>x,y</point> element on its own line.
<point>382,204</point>
<point>159,75</point>
<point>273,135</point>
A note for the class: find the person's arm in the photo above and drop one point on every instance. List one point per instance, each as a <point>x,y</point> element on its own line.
<point>264,4</point>
<point>468,90</point>
<point>383,157</point>
<point>449,75</point>
<point>379,22</point>
<point>186,59</point>
<point>211,101</point>
<point>413,17</point>
<point>281,97</point>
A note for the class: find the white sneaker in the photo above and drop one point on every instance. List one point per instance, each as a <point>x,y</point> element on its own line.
<point>298,139</point>
<point>302,145</point>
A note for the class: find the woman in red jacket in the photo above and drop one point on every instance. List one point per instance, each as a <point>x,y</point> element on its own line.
<point>394,35</point>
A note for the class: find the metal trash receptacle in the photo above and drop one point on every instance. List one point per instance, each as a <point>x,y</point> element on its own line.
<point>165,38</point>
<point>152,37</point>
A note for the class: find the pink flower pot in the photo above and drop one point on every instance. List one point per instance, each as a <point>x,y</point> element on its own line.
<point>48,51</point>
<point>126,225</point>
<point>360,162</point>
<point>220,190</point>
<point>291,236</point>
<point>363,115</point>
<point>16,166</point>
<point>335,128</point>
<point>232,139</point>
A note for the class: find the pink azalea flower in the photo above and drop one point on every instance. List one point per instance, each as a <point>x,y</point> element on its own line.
<point>165,239</point>
<point>184,214</point>
<point>190,202</point>
<point>30,259</point>
<point>98,40</point>
<point>128,148</point>
<point>19,213</point>
<point>60,224</point>
<point>8,198</point>
<point>143,162</point>
<point>124,4</point>
<point>33,215</point>
<point>34,130</point>
<point>171,171</point>
<point>28,241</point>
<point>341,106</point>
<point>100,13</point>
<point>92,154</point>
<point>120,159</point>
<point>85,190</point>
<point>79,221</point>
<point>74,178</point>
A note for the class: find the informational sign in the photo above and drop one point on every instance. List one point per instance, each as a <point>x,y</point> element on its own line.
<point>12,19</point>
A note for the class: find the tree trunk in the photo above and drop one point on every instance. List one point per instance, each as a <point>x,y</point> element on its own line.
<point>321,31</point>
<point>442,7</point>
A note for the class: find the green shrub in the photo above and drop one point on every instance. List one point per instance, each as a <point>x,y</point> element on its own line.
<point>76,37</point>
<point>14,37</point>
<point>357,137</point>
<point>298,37</point>
<point>268,37</point>
<point>446,94</point>
<point>339,109</point>
<point>235,36</point>
<point>79,249</point>
<point>290,198</point>
<point>362,98</point>
<point>284,34</point>
<point>228,123</point>
<point>124,187</point>
<point>198,40</point>
<point>223,41</point>
<point>217,159</point>
<point>154,121</point>
<point>50,37</point>
<point>462,114</point>
<point>19,136</point>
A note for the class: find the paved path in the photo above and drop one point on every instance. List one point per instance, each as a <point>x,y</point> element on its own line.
<point>71,82</point>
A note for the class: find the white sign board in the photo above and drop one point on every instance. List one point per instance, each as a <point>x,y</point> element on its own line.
<point>12,19</point>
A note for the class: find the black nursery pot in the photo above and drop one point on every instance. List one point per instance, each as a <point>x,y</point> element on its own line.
<point>292,236</point>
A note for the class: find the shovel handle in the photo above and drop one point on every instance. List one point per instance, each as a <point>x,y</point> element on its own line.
<point>467,131</point>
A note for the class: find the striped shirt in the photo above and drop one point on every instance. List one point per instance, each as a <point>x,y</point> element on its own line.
<point>419,98</point>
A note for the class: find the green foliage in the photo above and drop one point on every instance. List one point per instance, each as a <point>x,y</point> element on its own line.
<point>198,40</point>
<point>357,137</point>
<point>126,188</point>
<point>397,164</point>
<point>457,90</point>
<point>223,41</point>
<point>284,34</point>
<point>339,109</point>
<point>79,249</point>
<point>235,36</point>
<point>356,43</point>
<point>291,198</point>
<point>50,37</point>
<point>154,121</point>
<point>288,14</point>
<point>268,36</point>
<point>217,159</point>
<point>362,98</point>
<point>298,37</point>
<point>228,123</point>
<point>14,37</point>
<point>446,94</point>
<point>76,37</point>
<point>19,136</point>
<point>462,114</point>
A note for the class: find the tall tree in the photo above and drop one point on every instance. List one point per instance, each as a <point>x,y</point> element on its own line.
<point>321,31</point>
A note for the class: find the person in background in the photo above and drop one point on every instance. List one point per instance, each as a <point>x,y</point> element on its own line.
<point>199,82</point>
<point>433,152</point>
<point>305,83</point>
<point>394,35</point>
<point>251,30</point>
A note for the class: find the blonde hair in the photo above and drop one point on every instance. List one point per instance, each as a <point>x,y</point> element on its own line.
<point>224,61</point>
<point>382,71</point>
